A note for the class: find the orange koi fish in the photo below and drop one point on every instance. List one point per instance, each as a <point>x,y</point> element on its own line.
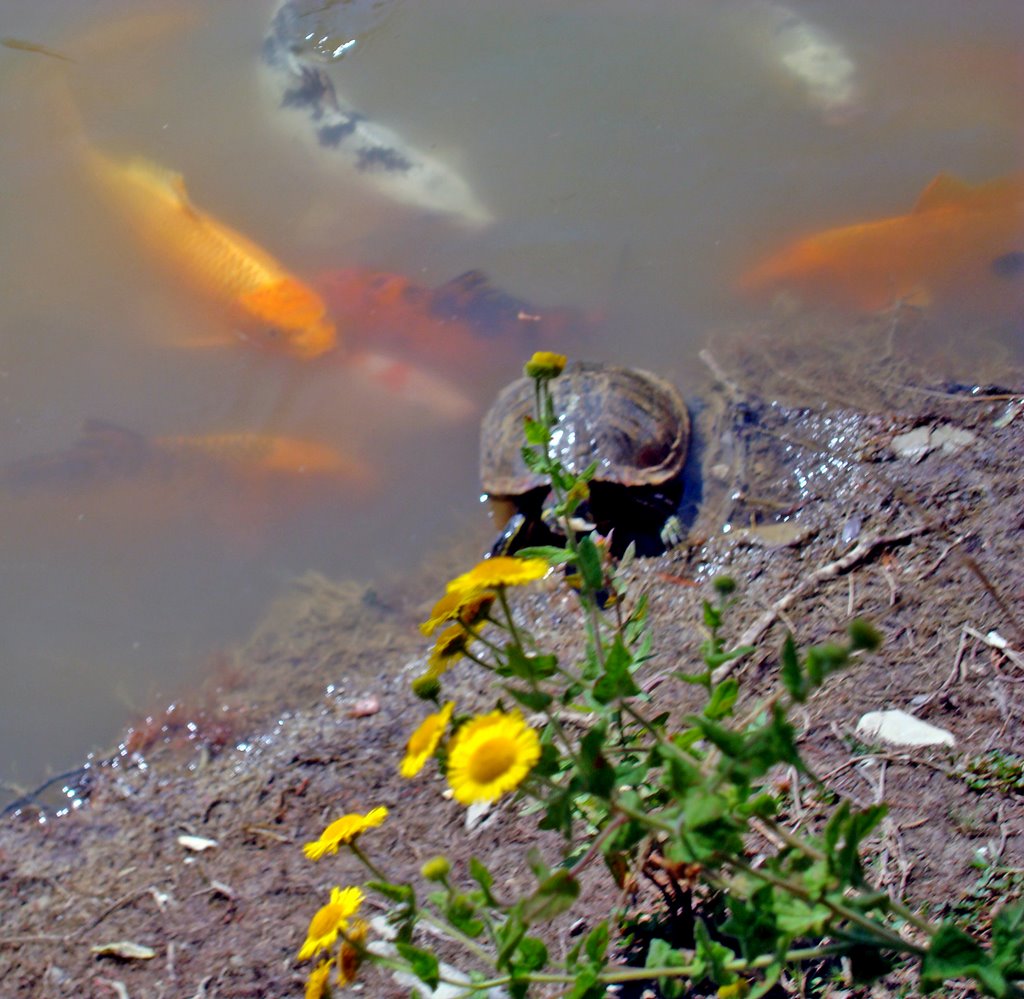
<point>959,244</point>
<point>106,452</point>
<point>266,304</point>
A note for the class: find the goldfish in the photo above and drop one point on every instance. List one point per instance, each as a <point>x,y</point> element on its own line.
<point>106,452</point>
<point>960,243</point>
<point>263,301</point>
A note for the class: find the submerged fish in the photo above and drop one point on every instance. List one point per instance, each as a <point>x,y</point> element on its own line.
<point>959,243</point>
<point>293,57</point>
<point>463,320</point>
<point>106,452</point>
<point>262,300</point>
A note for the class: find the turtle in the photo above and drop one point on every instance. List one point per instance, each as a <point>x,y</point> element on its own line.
<point>633,424</point>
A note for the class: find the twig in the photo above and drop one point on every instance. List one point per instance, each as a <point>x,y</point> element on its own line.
<point>939,525</point>
<point>822,574</point>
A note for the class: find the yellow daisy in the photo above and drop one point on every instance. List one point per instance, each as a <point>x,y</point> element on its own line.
<point>501,570</point>
<point>544,364</point>
<point>344,830</point>
<point>350,954</point>
<point>490,756</point>
<point>450,644</point>
<point>316,984</point>
<point>330,919</point>
<point>457,606</point>
<point>424,740</point>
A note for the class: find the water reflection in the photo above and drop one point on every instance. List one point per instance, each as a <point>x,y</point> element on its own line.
<point>635,161</point>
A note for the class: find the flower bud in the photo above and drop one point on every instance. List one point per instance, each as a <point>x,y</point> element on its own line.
<point>544,364</point>
<point>436,869</point>
<point>426,687</point>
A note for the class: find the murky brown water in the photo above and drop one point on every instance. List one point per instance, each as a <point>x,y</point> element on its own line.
<point>635,159</point>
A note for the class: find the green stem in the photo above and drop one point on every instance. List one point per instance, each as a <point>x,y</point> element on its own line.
<point>367,863</point>
<point>737,965</point>
<point>513,631</point>
<point>446,929</point>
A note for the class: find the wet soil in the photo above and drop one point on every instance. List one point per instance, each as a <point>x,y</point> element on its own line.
<point>812,502</point>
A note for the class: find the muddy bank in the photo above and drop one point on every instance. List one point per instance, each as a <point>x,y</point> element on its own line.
<point>853,489</point>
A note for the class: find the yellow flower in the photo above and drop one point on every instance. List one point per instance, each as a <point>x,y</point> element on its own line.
<point>450,644</point>
<point>491,755</point>
<point>330,919</point>
<point>459,606</point>
<point>344,830</point>
<point>424,740</point>
<point>544,364</point>
<point>350,954</point>
<point>501,570</point>
<point>316,984</point>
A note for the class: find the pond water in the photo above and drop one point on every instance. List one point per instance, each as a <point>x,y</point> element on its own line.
<point>626,160</point>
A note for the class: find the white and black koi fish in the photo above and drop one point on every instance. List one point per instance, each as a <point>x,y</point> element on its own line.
<point>812,57</point>
<point>292,53</point>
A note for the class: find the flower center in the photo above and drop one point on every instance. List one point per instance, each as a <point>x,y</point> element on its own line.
<point>492,759</point>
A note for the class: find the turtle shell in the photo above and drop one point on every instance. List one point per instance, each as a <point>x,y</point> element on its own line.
<point>632,423</point>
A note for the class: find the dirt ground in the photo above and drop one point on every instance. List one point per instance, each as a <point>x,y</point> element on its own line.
<point>831,514</point>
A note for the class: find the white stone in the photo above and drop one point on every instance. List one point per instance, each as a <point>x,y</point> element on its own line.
<point>902,729</point>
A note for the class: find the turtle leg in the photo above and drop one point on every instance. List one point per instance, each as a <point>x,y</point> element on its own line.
<point>644,516</point>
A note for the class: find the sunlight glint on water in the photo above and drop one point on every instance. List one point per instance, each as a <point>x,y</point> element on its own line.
<point>635,158</point>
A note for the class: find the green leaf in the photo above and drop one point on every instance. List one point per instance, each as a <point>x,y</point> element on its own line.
<point>954,954</point>
<point>529,667</point>
<point>554,895</point>
<point>535,432</point>
<point>596,773</point>
<point>535,700</point>
<point>617,680</point>
<point>702,809</point>
<point>397,893</point>
<point>532,954</point>
<point>590,564</point>
<point>729,742</point>
<point>789,671</point>
<point>752,923</point>
<point>596,943</point>
<point>660,954</point>
<point>534,460</point>
<point>556,556</point>
<point>558,813</point>
<point>479,873</point>
<point>587,985</point>
<point>712,616</point>
<point>1008,939</point>
<point>864,635</point>
<point>795,918</point>
<point>714,955</point>
<point>508,936</point>
<point>723,697</point>
<point>422,963</point>
<point>847,861</point>
<point>825,659</point>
